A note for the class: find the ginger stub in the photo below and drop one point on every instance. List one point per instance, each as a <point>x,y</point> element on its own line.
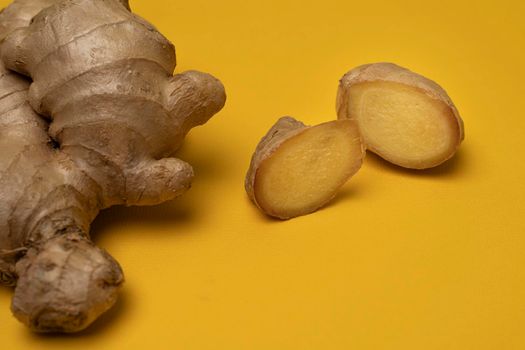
<point>296,169</point>
<point>403,117</point>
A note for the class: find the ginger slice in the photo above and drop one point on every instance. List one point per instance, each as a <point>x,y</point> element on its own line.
<point>296,169</point>
<point>403,117</point>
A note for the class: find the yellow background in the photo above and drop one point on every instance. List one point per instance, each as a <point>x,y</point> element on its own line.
<point>399,260</point>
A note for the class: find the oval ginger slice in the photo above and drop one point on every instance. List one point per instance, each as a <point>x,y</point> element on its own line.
<point>403,117</point>
<point>296,169</point>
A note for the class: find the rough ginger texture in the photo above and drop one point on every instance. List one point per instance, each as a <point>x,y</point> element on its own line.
<point>116,114</point>
<point>296,169</point>
<point>403,117</point>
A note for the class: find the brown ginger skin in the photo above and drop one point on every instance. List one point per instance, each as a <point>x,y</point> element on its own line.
<point>116,114</point>
<point>47,209</point>
<point>402,78</point>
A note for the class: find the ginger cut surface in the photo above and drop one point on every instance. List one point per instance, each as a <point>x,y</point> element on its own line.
<point>403,117</point>
<point>296,169</point>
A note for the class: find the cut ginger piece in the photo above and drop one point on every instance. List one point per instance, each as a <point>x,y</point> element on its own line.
<point>403,117</point>
<point>296,169</point>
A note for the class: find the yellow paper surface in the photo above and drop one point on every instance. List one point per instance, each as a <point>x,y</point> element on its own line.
<point>399,260</point>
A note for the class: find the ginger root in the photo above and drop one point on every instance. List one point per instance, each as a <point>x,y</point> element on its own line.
<point>403,117</point>
<point>296,169</point>
<point>115,115</point>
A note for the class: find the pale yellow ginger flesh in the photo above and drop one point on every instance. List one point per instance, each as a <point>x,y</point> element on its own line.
<point>403,117</point>
<point>306,169</point>
<point>402,124</point>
